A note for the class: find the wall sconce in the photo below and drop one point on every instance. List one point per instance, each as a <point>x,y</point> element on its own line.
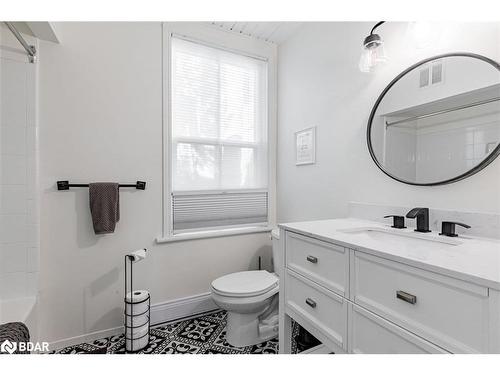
<point>373,52</point>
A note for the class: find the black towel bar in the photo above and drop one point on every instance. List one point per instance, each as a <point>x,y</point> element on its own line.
<point>65,185</point>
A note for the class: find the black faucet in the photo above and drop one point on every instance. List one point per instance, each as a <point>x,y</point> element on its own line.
<point>422,215</point>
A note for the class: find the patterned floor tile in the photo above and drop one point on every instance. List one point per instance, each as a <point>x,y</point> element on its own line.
<point>204,334</point>
<point>177,347</point>
<point>222,345</point>
<point>199,330</point>
<point>268,347</point>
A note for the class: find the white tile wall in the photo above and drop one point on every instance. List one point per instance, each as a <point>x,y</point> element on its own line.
<point>13,258</point>
<point>32,259</point>
<point>451,151</point>
<point>32,234</point>
<point>13,199</point>
<point>19,213</point>
<point>13,140</point>
<point>13,169</point>
<point>12,229</point>
<point>31,283</point>
<point>31,137</point>
<point>13,92</point>
<point>13,285</point>
<point>32,210</point>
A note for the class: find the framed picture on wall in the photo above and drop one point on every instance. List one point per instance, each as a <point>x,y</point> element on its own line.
<point>305,146</point>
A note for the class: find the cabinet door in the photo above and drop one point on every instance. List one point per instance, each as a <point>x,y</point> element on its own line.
<point>370,334</point>
<point>451,313</point>
<point>321,308</point>
<point>323,262</point>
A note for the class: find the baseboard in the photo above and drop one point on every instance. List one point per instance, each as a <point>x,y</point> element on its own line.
<point>160,313</point>
<point>59,344</point>
<point>182,307</point>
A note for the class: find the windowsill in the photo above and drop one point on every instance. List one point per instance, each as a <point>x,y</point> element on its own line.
<point>212,234</point>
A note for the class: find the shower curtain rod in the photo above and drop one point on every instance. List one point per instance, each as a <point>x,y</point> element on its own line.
<point>30,50</point>
<point>465,106</point>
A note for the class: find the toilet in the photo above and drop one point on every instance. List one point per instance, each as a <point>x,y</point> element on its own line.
<point>251,300</point>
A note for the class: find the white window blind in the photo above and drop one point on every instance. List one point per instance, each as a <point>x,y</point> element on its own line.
<point>219,138</point>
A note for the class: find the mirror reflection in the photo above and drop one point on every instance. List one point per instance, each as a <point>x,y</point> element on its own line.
<point>438,121</point>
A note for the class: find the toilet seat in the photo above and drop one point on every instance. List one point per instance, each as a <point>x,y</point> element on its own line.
<point>245,284</point>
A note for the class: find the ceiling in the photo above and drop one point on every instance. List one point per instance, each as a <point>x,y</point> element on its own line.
<point>40,30</point>
<point>272,32</point>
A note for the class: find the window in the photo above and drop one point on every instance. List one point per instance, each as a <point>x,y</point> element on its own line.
<point>219,148</point>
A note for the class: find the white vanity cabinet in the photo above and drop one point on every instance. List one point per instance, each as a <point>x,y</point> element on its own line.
<point>322,262</point>
<point>371,334</point>
<point>450,313</point>
<point>359,302</point>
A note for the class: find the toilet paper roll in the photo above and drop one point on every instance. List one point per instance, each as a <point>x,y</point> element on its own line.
<point>136,308</point>
<point>137,302</point>
<point>136,296</point>
<point>137,320</point>
<point>136,333</point>
<point>138,344</point>
<point>137,255</point>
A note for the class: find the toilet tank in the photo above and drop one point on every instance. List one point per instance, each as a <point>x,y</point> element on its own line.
<point>277,252</point>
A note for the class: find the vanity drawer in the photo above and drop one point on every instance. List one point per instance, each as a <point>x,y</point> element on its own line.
<point>321,308</point>
<point>370,334</point>
<point>451,313</point>
<point>323,262</point>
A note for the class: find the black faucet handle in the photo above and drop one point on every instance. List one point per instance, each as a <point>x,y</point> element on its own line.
<point>398,221</point>
<point>448,228</point>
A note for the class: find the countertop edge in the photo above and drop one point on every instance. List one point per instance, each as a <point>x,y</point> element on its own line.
<point>407,261</point>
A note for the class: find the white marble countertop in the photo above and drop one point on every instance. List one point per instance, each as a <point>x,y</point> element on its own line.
<point>468,258</point>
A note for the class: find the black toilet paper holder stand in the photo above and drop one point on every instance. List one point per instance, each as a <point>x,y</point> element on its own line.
<point>129,282</point>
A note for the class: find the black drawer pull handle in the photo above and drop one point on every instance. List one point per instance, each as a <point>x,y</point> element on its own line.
<point>407,297</point>
<point>312,259</point>
<point>310,302</point>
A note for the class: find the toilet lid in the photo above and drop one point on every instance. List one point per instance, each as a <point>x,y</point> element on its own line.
<point>245,284</point>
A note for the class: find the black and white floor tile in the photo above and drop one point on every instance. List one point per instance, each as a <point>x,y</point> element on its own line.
<point>205,334</point>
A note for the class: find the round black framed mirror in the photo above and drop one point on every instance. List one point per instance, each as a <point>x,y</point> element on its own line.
<point>438,121</point>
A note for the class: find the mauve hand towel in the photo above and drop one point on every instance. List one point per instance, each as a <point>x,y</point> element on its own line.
<point>104,200</point>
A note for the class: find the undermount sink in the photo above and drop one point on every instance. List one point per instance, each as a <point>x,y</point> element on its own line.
<point>401,236</point>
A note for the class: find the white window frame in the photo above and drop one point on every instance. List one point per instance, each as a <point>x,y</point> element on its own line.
<point>245,45</point>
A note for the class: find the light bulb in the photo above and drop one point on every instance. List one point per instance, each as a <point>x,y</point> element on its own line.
<point>372,55</point>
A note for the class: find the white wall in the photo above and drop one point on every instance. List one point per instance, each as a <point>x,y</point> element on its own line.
<point>19,245</point>
<point>319,84</point>
<point>101,120</point>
